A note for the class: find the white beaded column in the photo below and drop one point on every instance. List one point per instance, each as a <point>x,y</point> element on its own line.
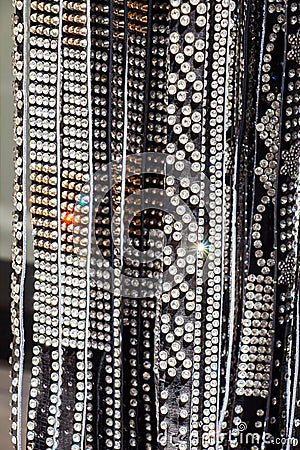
<point>201,267</point>
<point>216,123</point>
<point>20,72</point>
<point>44,154</point>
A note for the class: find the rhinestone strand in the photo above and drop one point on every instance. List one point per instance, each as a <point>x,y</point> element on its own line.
<point>175,423</point>
<point>214,299</point>
<point>287,291</point>
<point>20,39</point>
<point>118,158</point>
<point>42,122</point>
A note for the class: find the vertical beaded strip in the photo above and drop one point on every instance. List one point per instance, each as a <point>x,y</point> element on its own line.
<point>155,131</point>
<point>291,160</point>
<point>192,129</point>
<point>284,392</point>
<point>60,129</point>
<point>76,209</point>
<point>216,136</point>
<point>20,73</point>
<point>199,343</point>
<point>101,317</point>
<point>234,121</point>
<point>251,28</point>
<point>145,69</point>
<point>118,143</point>
<point>177,307</point>
<point>201,268</point>
<point>257,324</point>
<point>43,80</point>
<point>104,409</point>
<point>132,351</point>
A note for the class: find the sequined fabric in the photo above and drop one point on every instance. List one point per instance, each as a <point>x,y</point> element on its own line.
<point>163,146</point>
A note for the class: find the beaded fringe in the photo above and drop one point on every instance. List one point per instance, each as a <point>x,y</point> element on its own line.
<point>163,145</point>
